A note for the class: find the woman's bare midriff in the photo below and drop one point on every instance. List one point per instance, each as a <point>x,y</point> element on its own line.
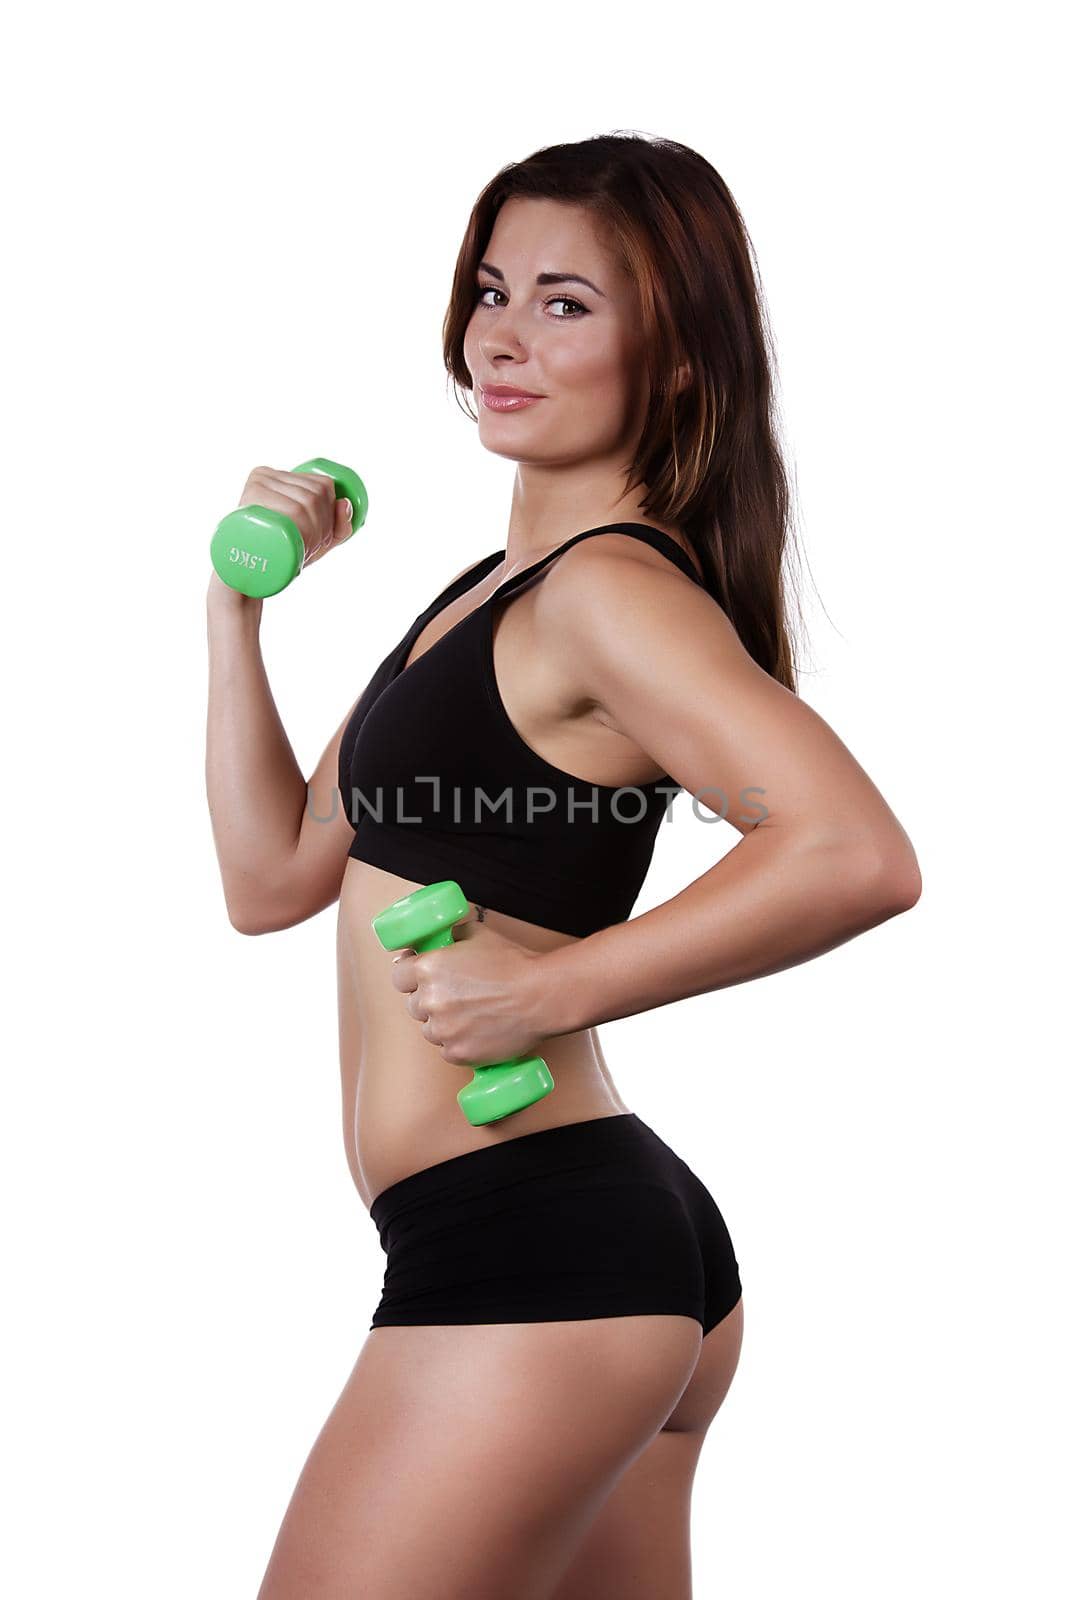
<point>398,1093</point>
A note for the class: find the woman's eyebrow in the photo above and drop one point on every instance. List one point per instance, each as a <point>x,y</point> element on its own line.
<point>545,277</point>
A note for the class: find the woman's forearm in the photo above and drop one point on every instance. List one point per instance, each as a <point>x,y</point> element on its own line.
<point>256,791</point>
<point>774,901</point>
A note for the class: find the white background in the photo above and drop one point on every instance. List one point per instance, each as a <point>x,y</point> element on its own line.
<point>231,237</point>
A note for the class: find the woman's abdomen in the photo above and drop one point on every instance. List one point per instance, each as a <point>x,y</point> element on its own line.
<point>398,1093</point>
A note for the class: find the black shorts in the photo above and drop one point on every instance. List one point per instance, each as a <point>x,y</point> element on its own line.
<point>591,1219</point>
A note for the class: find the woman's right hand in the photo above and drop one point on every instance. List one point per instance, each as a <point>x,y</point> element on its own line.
<point>308,499</point>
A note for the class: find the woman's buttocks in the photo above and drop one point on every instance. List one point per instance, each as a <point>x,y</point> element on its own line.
<point>398,1091</point>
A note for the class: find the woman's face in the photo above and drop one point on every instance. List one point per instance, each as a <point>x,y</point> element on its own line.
<point>577,347</point>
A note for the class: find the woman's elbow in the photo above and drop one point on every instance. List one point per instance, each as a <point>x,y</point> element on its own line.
<point>875,878</point>
<point>242,922</point>
<point>899,881</point>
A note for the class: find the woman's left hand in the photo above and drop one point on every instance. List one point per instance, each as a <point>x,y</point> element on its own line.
<point>477,999</point>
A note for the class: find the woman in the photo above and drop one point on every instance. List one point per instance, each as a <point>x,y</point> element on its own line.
<point>562,1311</point>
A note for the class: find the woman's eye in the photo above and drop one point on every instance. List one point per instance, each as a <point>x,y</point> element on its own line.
<point>580,310</point>
<point>568,302</point>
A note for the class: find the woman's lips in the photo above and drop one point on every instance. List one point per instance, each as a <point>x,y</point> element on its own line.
<point>499,402</point>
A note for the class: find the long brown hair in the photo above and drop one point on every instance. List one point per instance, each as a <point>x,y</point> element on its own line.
<point>709,454</point>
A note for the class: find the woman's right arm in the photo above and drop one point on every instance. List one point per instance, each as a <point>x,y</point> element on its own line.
<point>278,867</point>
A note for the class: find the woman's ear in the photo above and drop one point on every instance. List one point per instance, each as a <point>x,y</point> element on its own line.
<point>683,376</point>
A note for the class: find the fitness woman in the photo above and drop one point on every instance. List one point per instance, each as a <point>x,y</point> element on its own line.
<point>561,1312</point>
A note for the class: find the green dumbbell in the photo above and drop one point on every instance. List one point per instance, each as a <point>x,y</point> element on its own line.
<point>260,551</point>
<point>421,921</point>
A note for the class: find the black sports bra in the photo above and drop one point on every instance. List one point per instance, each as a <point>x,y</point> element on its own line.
<point>438,782</point>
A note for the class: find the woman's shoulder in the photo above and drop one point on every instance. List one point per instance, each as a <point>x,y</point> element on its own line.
<point>616,546</point>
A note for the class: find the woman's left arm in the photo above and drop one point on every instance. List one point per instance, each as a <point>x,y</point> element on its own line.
<point>826,861</point>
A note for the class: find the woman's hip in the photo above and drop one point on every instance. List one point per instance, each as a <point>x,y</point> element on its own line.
<point>597,1217</point>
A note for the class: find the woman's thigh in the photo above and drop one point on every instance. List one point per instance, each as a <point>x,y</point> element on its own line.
<point>466,1462</point>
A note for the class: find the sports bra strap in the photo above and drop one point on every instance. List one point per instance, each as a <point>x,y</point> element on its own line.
<point>654,536</point>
